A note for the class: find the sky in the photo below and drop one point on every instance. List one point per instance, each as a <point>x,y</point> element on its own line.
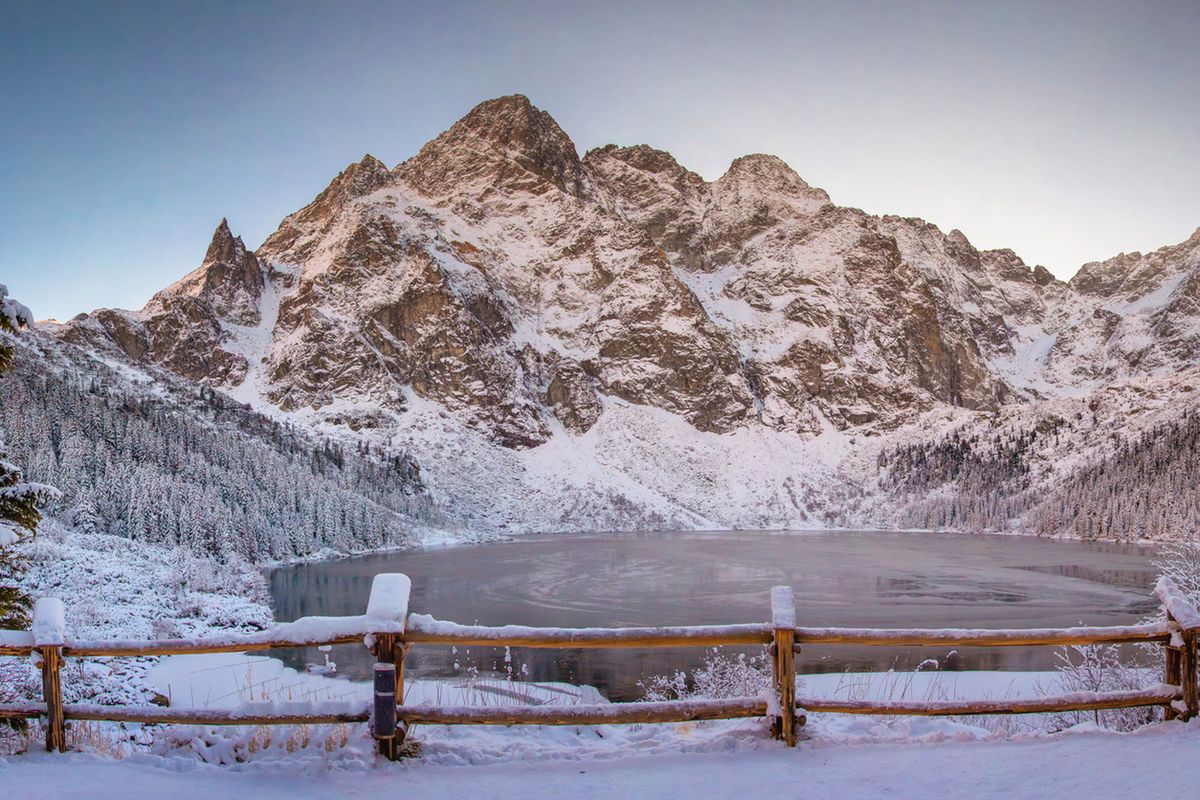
<point>1067,131</point>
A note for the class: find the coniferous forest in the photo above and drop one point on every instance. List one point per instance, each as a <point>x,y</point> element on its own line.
<point>1141,485</point>
<point>178,465</point>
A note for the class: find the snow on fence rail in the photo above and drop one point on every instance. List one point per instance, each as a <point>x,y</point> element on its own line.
<point>389,630</point>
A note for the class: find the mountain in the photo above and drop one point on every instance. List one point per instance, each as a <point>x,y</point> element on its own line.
<point>612,341</point>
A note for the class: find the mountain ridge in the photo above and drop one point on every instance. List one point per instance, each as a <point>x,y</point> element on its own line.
<point>530,293</point>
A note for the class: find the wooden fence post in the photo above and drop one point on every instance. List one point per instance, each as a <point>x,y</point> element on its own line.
<point>388,607</point>
<point>1187,670</point>
<point>1172,674</point>
<point>49,635</point>
<point>1180,668</point>
<point>783,662</point>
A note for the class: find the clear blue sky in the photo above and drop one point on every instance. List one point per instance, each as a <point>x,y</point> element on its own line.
<point>1068,131</point>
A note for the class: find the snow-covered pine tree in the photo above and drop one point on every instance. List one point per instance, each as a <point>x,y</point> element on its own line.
<point>19,499</point>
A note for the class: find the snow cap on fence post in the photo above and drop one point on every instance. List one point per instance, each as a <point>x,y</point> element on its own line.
<point>783,607</point>
<point>49,622</point>
<point>388,603</point>
<point>1177,603</point>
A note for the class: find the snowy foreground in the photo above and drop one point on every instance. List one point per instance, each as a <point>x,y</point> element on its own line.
<point>1158,761</point>
<point>841,756</point>
<point>133,596</point>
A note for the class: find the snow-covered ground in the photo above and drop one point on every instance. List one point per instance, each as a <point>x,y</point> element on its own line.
<point>1158,761</point>
<point>850,757</point>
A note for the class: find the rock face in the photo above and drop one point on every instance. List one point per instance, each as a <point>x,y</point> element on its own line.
<point>520,287</point>
<point>1132,315</point>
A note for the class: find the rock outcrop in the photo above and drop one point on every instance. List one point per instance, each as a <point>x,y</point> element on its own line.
<point>185,327</point>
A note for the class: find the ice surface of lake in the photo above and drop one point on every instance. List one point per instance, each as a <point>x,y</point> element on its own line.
<point>855,579</point>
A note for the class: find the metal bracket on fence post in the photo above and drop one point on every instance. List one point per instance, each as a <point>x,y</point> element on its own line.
<point>383,713</point>
<point>783,661</point>
<point>383,719</point>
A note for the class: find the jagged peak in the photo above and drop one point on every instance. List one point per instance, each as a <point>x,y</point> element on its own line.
<point>488,141</point>
<point>761,165</point>
<point>223,246</point>
<point>357,179</point>
<point>230,277</point>
<point>369,161</point>
<point>616,167</point>
<point>1043,276</point>
<point>507,120</point>
<point>1134,271</point>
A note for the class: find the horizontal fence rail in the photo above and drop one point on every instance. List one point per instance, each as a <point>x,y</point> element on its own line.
<point>597,714</point>
<point>389,630</point>
<point>1016,637</point>
<point>423,629</point>
<point>1077,701</point>
<point>204,716</point>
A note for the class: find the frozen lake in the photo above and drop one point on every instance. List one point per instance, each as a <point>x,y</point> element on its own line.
<point>854,579</point>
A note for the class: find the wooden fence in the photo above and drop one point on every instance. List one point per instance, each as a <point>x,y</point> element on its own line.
<point>389,630</point>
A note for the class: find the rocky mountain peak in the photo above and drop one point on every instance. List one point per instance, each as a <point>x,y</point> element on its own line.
<point>362,177</point>
<point>185,328</point>
<point>644,158</point>
<point>1108,277</point>
<point>299,231</point>
<point>506,143</point>
<point>1136,274</point>
<point>223,245</point>
<point>356,180</point>
<point>1043,276</point>
<point>229,277</point>
<point>770,173</point>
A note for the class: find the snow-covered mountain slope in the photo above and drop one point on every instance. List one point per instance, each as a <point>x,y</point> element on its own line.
<point>1122,462</point>
<point>146,455</point>
<point>612,341</point>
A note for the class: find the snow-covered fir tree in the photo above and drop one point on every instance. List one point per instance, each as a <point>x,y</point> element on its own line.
<point>20,499</point>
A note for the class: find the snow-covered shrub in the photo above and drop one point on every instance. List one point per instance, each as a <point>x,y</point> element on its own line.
<point>19,682</point>
<point>1100,668</point>
<point>722,675</point>
<point>195,577</point>
<point>1110,668</point>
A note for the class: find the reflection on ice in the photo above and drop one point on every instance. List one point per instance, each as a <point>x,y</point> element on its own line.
<point>851,579</point>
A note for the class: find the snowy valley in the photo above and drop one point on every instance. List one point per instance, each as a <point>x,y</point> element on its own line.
<point>499,337</point>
